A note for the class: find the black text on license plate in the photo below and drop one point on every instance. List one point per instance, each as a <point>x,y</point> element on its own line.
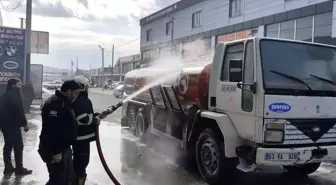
<point>282,156</point>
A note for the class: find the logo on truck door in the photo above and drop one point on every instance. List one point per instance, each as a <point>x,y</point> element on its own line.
<point>279,107</point>
<point>183,84</point>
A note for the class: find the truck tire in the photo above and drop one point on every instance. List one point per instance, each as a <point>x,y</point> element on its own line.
<point>141,126</point>
<point>211,161</point>
<point>304,169</point>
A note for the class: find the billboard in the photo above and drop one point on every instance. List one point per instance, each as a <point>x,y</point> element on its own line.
<point>12,54</point>
<point>39,42</point>
<point>36,76</point>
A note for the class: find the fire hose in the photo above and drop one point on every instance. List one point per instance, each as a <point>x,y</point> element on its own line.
<point>108,111</point>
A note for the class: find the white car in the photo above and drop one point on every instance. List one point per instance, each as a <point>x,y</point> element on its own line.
<point>118,91</point>
<point>116,84</point>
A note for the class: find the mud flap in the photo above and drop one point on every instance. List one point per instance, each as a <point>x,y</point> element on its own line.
<point>124,122</point>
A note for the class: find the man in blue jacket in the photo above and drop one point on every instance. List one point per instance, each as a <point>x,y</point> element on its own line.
<point>59,132</point>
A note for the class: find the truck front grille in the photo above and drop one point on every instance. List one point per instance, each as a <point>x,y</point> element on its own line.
<point>305,131</point>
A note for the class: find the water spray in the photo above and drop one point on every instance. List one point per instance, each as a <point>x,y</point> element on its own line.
<point>102,115</point>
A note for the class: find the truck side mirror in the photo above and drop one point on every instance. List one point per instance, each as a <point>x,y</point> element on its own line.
<point>235,70</point>
<point>247,86</point>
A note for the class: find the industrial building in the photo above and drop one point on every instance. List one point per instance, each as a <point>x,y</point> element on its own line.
<point>194,27</point>
<point>123,65</point>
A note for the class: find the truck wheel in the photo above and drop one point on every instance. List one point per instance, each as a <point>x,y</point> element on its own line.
<point>304,169</point>
<point>141,126</point>
<point>211,161</point>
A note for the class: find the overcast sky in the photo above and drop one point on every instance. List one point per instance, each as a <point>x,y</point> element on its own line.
<point>77,27</point>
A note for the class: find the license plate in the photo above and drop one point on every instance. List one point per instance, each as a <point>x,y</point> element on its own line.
<point>282,156</point>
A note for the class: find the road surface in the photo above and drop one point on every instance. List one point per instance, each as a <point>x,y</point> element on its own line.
<point>134,165</point>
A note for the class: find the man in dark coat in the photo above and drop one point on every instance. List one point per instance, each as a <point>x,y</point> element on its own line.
<point>58,133</point>
<point>12,118</point>
<point>87,122</point>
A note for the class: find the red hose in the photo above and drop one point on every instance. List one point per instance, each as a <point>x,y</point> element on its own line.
<point>102,159</point>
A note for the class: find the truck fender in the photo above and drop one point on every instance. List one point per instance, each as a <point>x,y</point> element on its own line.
<point>231,138</point>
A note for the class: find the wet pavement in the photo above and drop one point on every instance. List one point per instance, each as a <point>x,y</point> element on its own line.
<point>136,164</point>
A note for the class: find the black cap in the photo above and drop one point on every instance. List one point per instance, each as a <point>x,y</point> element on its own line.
<point>70,85</point>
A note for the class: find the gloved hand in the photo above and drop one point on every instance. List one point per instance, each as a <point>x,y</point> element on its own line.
<point>102,116</point>
<point>26,128</point>
<point>98,120</point>
<point>56,158</point>
<point>96,114</point>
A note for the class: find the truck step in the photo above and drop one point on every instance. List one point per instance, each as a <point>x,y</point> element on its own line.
<point>243,166</point>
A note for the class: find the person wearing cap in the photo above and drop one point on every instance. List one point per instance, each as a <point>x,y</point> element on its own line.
<point>87,122</point>
<point>13,118</point>
<point>59,132</point>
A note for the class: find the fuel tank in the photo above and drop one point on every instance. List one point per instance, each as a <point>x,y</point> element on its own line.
<point>191,83</point>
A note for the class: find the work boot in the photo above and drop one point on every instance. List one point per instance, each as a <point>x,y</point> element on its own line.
<point>23,171</point>
<point>80,181</point>
<point>9,170</point>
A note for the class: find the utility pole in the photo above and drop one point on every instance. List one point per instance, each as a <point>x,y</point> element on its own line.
<point>90,72</point>
<point>102,69</point>
<point>72,64</point>
<point>28,31</point>
<point>22,22</point>
<point>76,66</point>
<point>112,63</point>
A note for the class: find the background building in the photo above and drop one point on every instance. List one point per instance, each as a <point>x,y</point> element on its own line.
<point>190,25</point>
<point>123,65</point>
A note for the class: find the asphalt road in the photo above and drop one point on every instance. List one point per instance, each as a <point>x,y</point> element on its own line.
<point>137,164</point>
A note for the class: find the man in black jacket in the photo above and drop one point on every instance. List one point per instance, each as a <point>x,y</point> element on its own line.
<point>86,126</point>
<point>59,133</point>
<point>12,118</point>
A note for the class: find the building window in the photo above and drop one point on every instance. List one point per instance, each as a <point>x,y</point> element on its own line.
<point>272,30</point>
<point>317,28</point>
<point>287,30</point>
<point>196,19</point>
<point>323,28</point>
<point>169,27</point>
<point>304,29</point>
<point>149,34</point>
<point>235,8</point>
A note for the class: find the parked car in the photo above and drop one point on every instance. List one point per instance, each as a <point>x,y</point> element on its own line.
<point>45,95</point>
<point>118,91</point>
<point>116,84</point>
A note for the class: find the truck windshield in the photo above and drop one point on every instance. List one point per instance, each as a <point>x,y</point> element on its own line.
<point>298,66</point>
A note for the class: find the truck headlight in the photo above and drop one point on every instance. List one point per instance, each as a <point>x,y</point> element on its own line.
<point>274,136</point>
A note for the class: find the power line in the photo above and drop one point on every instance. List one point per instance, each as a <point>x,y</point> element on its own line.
<point>128,42</point>
<point>12,9</point>
<point>124,44</point>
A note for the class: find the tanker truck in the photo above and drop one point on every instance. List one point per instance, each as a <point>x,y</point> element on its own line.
<point>258,102</point>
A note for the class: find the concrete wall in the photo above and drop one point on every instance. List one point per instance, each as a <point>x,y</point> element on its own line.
<point>215,14</point>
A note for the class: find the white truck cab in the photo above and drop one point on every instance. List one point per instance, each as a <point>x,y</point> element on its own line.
<point>279,96</point>
<point>270,102</point>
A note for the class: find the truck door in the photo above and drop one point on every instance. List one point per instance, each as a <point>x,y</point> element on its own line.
<point>235,100</point>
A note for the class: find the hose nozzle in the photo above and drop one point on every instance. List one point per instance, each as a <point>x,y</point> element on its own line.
<point>115,107</point>
<point>111,109</point>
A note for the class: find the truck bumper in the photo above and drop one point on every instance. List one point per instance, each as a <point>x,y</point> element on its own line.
<point>295,156</point>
